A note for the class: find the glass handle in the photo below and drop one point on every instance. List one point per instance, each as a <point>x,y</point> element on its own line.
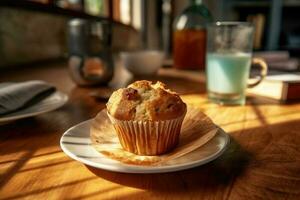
<point>263,71</point>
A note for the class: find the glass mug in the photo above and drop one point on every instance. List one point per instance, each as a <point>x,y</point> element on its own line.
<point>90,56</point>
<point>228,61</point>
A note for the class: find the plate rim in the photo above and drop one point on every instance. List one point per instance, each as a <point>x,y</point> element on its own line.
<point>64,96</point>
<point>135,169</point>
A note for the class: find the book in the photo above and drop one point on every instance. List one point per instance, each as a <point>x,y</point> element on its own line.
<point>136,18</point>
<point>279,60</point>
<point>258,21</point>
<point>116,10</point>
<point>272,56</point>
<point>281,87</point>
<point>125,11</point>
<point>292,64</point>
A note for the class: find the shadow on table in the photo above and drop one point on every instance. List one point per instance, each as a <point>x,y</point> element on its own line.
<point>219,172</point>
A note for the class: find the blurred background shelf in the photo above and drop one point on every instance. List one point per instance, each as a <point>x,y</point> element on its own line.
<point>70,11</point>
<point>263,3</point>
<point>277,20</point>
<point>49,8</point>
<point>36,30</point>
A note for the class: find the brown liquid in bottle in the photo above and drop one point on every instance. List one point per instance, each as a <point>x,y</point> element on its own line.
<point>189,49</point>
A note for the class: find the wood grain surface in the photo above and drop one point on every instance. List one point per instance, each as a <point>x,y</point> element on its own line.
<point>262,161</point>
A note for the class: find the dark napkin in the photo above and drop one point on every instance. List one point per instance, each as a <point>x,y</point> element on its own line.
<point>14,96</point>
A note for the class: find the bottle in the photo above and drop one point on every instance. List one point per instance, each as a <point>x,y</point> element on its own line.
<point>189,39</point>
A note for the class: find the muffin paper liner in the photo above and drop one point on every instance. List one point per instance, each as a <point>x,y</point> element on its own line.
<point>124,140</point>
<point>148,137</point>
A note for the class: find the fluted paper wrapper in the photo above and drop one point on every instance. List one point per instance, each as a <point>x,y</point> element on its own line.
<point>148,137</point>
<point>123,140</point>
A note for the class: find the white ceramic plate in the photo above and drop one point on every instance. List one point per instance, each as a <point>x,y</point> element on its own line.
<point>76,143</point>
<point>52,102</point>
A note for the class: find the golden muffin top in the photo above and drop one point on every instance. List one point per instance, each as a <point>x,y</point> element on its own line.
<point>143,100</point>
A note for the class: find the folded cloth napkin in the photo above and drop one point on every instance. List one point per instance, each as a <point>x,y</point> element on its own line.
<point>14,96</point>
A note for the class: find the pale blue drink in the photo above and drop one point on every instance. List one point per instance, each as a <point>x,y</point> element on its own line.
<point>227,75</point>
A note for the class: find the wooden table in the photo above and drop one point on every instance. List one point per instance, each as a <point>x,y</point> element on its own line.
<point>262,161</point>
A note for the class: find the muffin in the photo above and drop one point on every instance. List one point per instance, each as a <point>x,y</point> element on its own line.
<point>147,117</point>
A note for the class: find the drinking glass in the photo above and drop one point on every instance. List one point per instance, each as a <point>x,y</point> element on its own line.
<point>228,61</point>
<point>90,56</point>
